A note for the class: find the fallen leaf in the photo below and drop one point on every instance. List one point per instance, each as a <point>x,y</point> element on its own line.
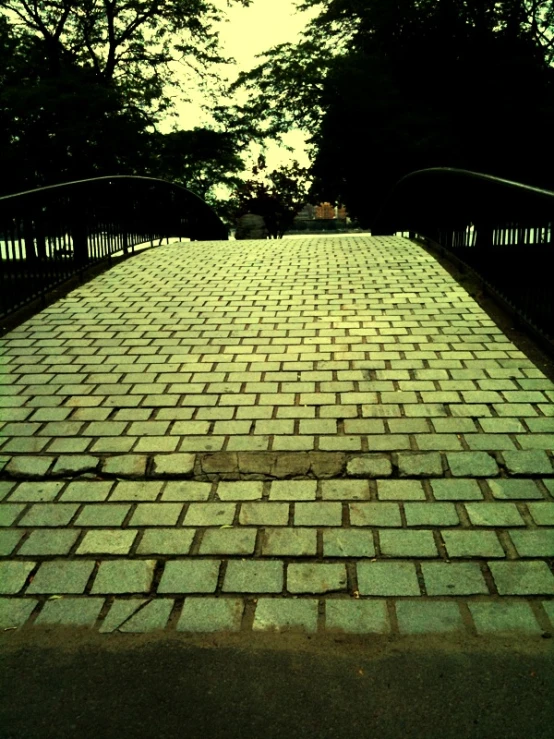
<point>10,628</point>
<point>226,526</point>
<point>55,597</point>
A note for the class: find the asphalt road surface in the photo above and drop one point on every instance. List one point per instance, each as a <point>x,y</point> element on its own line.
<point>73,684</point>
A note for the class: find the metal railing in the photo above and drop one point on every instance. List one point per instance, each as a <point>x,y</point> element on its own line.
<point>51,234</point>
<point>502,229</point>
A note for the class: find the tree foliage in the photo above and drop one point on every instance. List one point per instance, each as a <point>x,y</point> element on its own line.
<point>198,159</point>
<point>277,196</point>
<point>83,84</point>
<point>129,42</point>
<point>385,87</point>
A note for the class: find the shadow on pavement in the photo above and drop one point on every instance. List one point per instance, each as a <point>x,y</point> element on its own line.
<point>73,684</point>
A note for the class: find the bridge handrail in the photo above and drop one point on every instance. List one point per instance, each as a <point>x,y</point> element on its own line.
<point>502,229</point>
<point>50,234</point>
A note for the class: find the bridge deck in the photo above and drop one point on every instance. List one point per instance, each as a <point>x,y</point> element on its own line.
<point>320,433</point>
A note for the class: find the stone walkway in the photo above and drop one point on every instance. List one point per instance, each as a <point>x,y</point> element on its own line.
<point>320,433</point>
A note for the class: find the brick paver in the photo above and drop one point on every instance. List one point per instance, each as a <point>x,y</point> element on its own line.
<point>320,433</point>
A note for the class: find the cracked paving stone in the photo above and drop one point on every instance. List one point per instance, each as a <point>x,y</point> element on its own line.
<point>124,576</point>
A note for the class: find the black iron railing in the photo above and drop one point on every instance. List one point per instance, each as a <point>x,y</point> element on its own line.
<point>503,230</point>
<point>51,234</point>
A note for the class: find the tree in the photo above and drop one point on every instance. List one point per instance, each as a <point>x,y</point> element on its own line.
<point>385,87</point>
<point>200,159</point>
<point>277,196</point>
<point>127,42</point>
<point>84,82</point>
<point>55,129</point>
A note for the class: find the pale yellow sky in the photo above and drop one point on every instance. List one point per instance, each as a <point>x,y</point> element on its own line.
<point>250,31</point>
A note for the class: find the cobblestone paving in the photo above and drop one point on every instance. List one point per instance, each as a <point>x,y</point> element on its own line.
<point>317,433</point>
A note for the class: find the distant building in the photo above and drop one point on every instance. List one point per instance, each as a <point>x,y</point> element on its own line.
<point>307,213</point>
<point>325,211</point>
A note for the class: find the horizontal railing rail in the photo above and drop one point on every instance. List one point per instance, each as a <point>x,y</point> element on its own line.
<point>503,230</point>
<point>51,234</point>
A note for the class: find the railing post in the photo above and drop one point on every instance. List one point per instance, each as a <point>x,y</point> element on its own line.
<point>80,240</point>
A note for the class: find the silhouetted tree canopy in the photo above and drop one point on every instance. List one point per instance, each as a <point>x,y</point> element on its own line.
<point>83,85</point>
<point>385,87</point>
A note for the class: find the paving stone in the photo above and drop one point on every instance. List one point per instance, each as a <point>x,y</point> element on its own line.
<point>456,490</point>
<point>111,444</point>
<point>403,543</point>
<point>87,491</point>
<point>494,618</point>
<point>356,616</point>
<point>156,514</point>
<point>151,617</point>
<point>211,614</point>
<point>431,514</point>
<point>190,576</point>
<point>400,490</point>
<point>166,541</point>
<point>288,542</point>
<point>494,514</point>
<point>107,541</point>
<point>471,464</point>
<point>136,490</point>
<point>5,487</point>
<point>318,514</point>
<point>124,576</point>
<point>129,465</point>
<point>527,463</point>
<point>264,514</point>
<point>49,514</point>
<point>534,543</point>
<point>542,513</point>
<point>375,514</point>
<point>75,464</point>
<point>472,544</point>
<point>209,514</point>
<point>29,467</point>
<point>345,489</point>
<point>502,426</point>
<point>419,465</point>
<point>168,465</point>
<point>364,426</point>
<point>285,614</point>
<point>13,576</point>
<point>293,443</point>
<point>293,490</point>
<point>243,490</point>
<point>109,514</point>
<point>228,541</point>
<point>186,491</point>
<point>253,577</point>
<point>424,617</point>
<point>316,578</point>
<point>36,491</point>
<point>455,578</point>
<point>120,611</point>
<point>61,576</point>
<point>14,612</point>
<point>522,578</point>
<point>348,543</point>
<point>270,427</point>
<point>49,542</point>
<point>548,606</point>
<point>9,539</point>
<point>387,578</point>
<point>9,513</point>
<point>370,465</point>
<point>514,489</point>
<point>70,612</point>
